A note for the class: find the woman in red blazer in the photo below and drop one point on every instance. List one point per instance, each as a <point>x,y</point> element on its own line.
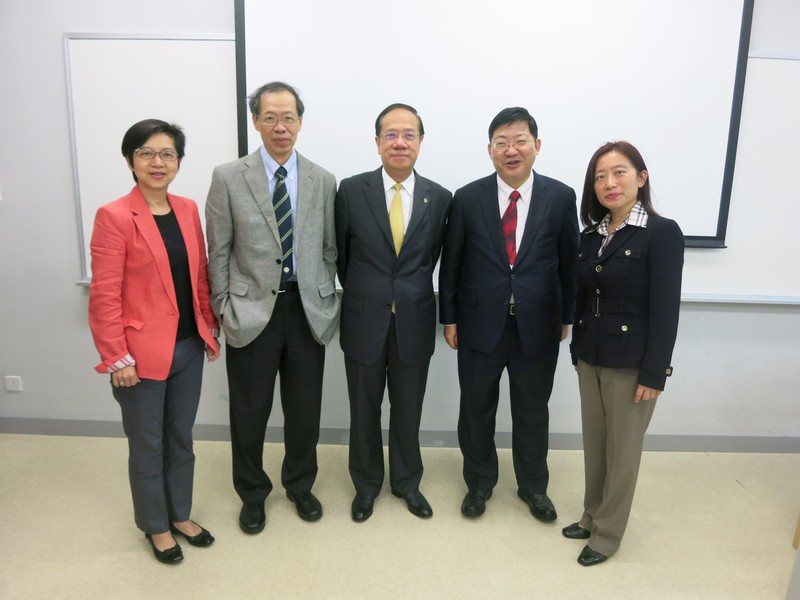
<point>151,321</point>
<point>626,319</point>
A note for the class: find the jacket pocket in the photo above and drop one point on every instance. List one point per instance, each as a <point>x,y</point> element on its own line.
<point>326,288</point>
<point>134,323</point>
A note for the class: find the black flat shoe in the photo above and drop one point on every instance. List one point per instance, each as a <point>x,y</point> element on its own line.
<point>576,532</point>
<point>308,507</point>
<point>474,504</point>
<point>361,509</point>
<point>201,540</point>
<point>589,557</point>
<point>170,556</point>
<point>540,504</point>
<point>417,504</point>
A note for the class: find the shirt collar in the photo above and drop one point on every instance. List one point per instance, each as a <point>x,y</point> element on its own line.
<point>504,190</point>
<point>637,217</point>
<point>388,182</point>
<point>271,165</point>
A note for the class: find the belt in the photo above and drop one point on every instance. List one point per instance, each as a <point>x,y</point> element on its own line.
<point>612,306</point>
<point>289,286</point>
<point>511,308</point>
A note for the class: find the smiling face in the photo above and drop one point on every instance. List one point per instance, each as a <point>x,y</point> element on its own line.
<point>617,184</point>
<point>513,150</point>
<point>399,143</point>
<point>155,174</point>
<point>279,139</point>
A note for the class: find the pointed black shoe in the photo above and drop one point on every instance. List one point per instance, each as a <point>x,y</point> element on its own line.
<point>252,517</point>
<point>201,540</point>
<point>576,532</point>
<point>170,556</point>
<point>589,557</point>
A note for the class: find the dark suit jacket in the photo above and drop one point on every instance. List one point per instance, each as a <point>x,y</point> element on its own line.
<point>373,275</point>
<point>476,282</point>
<point>626,315</point>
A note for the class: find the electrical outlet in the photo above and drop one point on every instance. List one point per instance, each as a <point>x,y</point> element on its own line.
<point>13,383</point>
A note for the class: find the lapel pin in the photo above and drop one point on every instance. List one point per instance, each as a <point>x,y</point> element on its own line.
<point>425,200</point>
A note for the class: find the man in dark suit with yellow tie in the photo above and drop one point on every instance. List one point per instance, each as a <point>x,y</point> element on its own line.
<point>507,296</point>
<point>389,229</point>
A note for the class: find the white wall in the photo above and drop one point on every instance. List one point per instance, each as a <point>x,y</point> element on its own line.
<point>736,366</point>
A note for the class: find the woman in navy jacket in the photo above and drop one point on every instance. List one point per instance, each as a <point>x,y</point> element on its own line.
<point>626,320</point>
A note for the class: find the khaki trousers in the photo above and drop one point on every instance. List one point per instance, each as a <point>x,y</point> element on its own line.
<point>613,435</point>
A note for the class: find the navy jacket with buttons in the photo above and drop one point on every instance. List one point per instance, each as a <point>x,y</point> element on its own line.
<point>626,313</point>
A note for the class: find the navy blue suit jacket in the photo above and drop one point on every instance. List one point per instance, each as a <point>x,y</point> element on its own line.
<point>476,281</point>
<point>373,276</point>
<point>629,298</point>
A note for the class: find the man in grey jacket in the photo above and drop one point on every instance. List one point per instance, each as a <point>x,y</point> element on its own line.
<point>272,261</point>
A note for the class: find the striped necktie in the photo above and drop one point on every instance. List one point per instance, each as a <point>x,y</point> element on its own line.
<point>283,214</point>
<point>509,223</point>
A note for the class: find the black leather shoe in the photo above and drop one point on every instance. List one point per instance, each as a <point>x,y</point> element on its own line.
<point>589,557</point>
<point>417,504</point>
<point>252,517</point>
<point>201,540</point>
<point>308,507</point>
<point>576,532</point>
<point>170,556</point>
<point>362,507</point>
<point>474,504</point>
<point>541,506</point>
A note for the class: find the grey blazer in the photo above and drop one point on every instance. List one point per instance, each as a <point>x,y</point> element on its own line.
<point>244,249</point>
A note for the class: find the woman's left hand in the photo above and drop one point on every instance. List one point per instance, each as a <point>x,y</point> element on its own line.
<point>646,393</point>
<point>211,355</point>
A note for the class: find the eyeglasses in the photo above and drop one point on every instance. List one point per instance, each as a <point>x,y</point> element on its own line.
<point>393,136</point>
<point>502,145</point>
<point>167,155</point>
<point>273,120</point>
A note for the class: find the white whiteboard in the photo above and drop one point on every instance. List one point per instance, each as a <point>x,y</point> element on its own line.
<point>115,81</point>
<point>660,74</point>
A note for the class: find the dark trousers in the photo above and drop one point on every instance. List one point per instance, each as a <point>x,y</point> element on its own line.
<point>157,417</point>
<point>286,346</point>
<point>365,386</point>
<point>530,384</point>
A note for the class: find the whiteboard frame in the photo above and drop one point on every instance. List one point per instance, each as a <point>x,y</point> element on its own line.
<point>76,181</point>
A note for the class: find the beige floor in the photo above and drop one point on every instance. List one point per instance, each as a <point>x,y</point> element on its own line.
<point>703,526</point>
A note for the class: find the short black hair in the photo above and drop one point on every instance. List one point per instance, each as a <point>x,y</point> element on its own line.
<point>507,116</point>
<point>254,100</point>
<point>390,108</point>
<point>142,131</point>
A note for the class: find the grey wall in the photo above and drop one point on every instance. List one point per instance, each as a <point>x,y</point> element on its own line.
<point>736,365</point>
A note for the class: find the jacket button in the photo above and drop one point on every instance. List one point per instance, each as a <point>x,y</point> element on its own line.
<point>598,268</point>
<point>669,371</point>
<point>274,293</point>
<point>627,252</point>
<point>580,254</point>
<point>624,328</point>
<point>278,260</point>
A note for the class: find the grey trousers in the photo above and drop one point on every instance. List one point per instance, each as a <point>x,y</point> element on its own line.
<point>613,436</point>
<point>157,417</point>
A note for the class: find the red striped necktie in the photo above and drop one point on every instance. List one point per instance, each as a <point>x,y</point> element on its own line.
<point>509,223</point>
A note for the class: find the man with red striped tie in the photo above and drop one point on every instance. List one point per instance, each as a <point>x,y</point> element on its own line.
<point>506,298</point>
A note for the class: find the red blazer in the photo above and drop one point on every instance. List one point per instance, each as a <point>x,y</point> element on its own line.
<point>133,312</point>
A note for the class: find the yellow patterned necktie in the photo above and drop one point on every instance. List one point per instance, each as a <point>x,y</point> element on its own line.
<point>396,218</point>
